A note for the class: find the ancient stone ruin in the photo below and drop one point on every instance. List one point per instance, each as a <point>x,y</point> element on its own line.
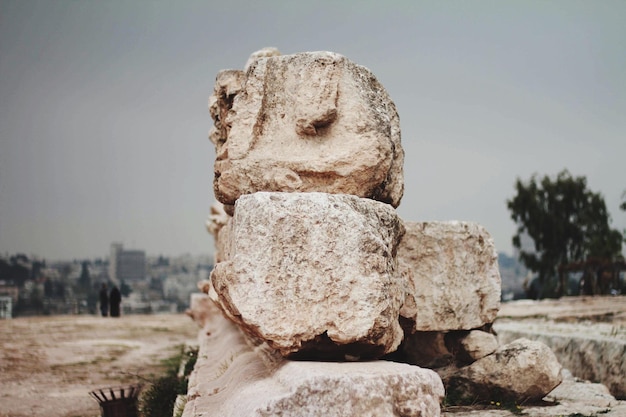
<point>323,301</point>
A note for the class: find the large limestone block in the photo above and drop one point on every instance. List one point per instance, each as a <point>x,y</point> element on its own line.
<point>453,273</point>
<point>314,274</point>
<point>235,377</point>
<point>218,224</point>
<point>312,121</point>
<point>521,371</point>
<point>371,389</point>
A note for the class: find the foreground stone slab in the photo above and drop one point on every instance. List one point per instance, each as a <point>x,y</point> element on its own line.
<point>453,273</point>
<point>312,121</point>
<point>314,274</point>
<point>238,376</point>
<point>439,349</point>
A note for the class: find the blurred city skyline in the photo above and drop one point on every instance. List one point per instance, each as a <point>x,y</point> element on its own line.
<point>104,119</point>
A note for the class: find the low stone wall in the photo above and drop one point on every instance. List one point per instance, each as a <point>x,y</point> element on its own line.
<point>589,350</point>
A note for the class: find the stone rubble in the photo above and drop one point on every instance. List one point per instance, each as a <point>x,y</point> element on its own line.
<point>455,282</point>
<point>312,262</point>
<point>313,274</point>
<point>522,371</point>
<point>239,376</point>
<point>595,356</point>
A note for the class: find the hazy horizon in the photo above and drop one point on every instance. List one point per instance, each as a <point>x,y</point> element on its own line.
<point>104,119</point>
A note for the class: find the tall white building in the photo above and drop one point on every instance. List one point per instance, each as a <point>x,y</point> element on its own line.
<point>126,265</point>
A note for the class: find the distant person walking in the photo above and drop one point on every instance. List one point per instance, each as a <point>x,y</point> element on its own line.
<point>104,300</point>
<point>115,299</point>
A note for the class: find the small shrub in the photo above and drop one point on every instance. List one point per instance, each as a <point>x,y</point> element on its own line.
<point>159,398</point>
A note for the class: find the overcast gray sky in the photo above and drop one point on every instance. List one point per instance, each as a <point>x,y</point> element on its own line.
<point>104,120</point>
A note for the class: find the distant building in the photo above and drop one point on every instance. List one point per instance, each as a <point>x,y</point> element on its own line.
<point>126,265</point>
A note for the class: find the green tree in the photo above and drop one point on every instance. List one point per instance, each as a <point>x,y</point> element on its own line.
<point>567,223</point>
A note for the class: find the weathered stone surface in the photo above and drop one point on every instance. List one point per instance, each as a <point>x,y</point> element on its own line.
<point>261,53</point>
<point>237,377</point>
<point>201,308</point>
<point>312,121</point>
<point>521,371</point>
<point>228,84</point>
<point>453,269</point>
<point>476,344</point>
<point>218,224</point>
<point>217,218</point>
<point>314,274</point>
<point>591,351</point>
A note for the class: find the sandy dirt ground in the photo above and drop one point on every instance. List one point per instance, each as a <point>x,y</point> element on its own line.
<point>48,365</point>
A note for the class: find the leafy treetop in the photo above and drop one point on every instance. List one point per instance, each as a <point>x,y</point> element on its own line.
<point>566,221</point>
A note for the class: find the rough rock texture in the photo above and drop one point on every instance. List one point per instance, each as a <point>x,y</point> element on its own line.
<point>476,345</point>
<point>237,376</point>
<point>575,389</point>
<point>314,273</point>
<point>521,371</point>
<point>453,269</point>
<point>217,219</point>
<point>218,224</point>
<point>313,121</point>
<point>261,53</point>
<point>201,308</point>
<point>591,351</point>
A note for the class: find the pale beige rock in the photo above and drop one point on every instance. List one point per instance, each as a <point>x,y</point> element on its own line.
<point>477,344</point>
<point>217,218</point>
<point>313,121</point>
<point>455,278</point>
<point>236,378</point>
<point>521,371</point>
<point>314,273</point>
<point>228,84</point>
<point>262,53</point>
<point>576,391</point>
<point>201,308</point>
<point>426,349</point>
<point>370,389</point>
<point>218,224</point>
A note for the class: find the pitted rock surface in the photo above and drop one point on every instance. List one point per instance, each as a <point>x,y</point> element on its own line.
<point>314,274</point>
<point>312,121</point>
<point>453,276</point>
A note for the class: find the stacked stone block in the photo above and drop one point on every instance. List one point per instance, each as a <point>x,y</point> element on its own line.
<point>314,263</point>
